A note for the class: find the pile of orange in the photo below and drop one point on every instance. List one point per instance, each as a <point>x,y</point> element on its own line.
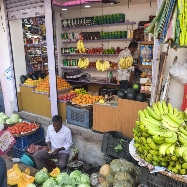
<point>44,86</point>
<point>86,99</point>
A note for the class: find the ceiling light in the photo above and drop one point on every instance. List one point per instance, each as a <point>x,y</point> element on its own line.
<point>87,6</point>
<point>64,8</point>
<point>111,3</point>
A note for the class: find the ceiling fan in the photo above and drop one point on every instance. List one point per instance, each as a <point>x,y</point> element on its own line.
<point>103,1</point>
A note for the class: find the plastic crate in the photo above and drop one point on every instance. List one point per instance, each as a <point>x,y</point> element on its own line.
<point>148,179</point>
<point>25,141</point>
<point>111,140</point>
<point>79,116</point>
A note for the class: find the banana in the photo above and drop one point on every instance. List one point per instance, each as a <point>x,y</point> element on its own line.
<point>182,171</point>
<point>152,144</point>
<point>162,149</point>
<point>184,155</point>
<point>164,106</point>
<point>180,134</point>
<point>149,156</point>
<point>167,135</point>
<point>179,151</point>
<point>137,145</point>
<point>159,138</point>
<point>153,114</point>
<point>167,126</point>
<point>182,130</point>
<point>152,121</point>
<point>155,163</point>
<point>170,167</point>
<point>184,165</point>
<point>164,163</point>
<point>159,105</point>
<point>143,140</point>
<point>174,158</point>
<point>182,140</point>
<point>175,119</point>
<point>147,147</point>
<point>141,114</point>
<point>149,125</point>
<point>178,165</point>
<point>155,158</point>
<point>140,149</point>
<point>170,109</point>
<point>170,150</point>
<point>164,159</point>
<point>172,163</point>
<point>154,152</point>
<point>159,141</point>
<point>175,170</point>
<point>147,160</point>
<point>169,121</point>
<point>172,139</point>
<point>137,140</point>
<point>145,134</point>
<point>146,113</point>
<point>175,112</point>
<point>155,108</point>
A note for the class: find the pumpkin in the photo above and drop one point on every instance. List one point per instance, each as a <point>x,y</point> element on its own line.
<point>25,180</point>
<point>13,175</point>
<point>27,171</point>
<point>96,179</point>
<point>55,172</point>
<point>105,170</point>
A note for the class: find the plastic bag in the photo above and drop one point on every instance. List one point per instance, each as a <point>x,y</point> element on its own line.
<point>179,72</point>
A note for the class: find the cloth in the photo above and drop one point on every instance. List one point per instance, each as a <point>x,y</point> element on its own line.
<point>184,103</point>
<point>3,173</point>
<point>63,138</point>
<point>124,74</point>
<point>1,127</point>
<point>41,155</point>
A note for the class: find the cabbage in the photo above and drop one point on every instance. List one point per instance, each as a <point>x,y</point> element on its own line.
<point>50,182</point>
<point>85,179</point>
<point>76,175</point>
<point>1,114</point>
<point>57,186</point>
<point>83,185</point>
<point>41,176</point>
<point>9,121</point>
<point>31,185</point>
<point>16,116</point>
<point>62,178</point>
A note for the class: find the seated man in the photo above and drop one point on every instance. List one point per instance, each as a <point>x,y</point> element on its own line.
<point>59,141</point>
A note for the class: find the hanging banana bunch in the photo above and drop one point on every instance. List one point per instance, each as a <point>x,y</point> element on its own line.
<point>80,47</point>
<point>126,62</point>
<point>83,63</point>
<point>102,65</point>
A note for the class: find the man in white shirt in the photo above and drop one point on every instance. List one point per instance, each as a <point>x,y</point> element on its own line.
<point>59,141</point>
<point>3,170</point>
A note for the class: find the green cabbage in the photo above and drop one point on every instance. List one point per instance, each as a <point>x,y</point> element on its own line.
<point>76,175</point>
<point>31,185</point>
<point>85,179</point>
<point>62,178</point>
<point>57,186</point>
<point>50,182</point>
<point>41,176</point>
<point>83,185</point>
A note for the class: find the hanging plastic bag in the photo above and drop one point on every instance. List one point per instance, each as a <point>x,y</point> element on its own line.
<point>179,72</point>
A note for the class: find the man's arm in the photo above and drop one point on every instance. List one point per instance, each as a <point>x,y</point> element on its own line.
<point>47,140</point>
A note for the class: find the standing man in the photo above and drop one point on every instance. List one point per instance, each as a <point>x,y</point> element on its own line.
<point>59,141</point>
<point>29,68</point>
<point>3,170</point>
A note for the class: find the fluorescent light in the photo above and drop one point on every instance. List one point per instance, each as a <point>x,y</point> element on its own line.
<point>64,8</point>
<point>87,6</point>
<point>111,3</point>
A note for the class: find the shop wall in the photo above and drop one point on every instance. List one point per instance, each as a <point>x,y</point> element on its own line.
<point>134,13</point>
<point>176,89</point>
<point>18,50</point>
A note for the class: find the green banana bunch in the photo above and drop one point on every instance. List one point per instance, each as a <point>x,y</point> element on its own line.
<point>179,151</point>
<point>151,144</point>
<point>163,148</point>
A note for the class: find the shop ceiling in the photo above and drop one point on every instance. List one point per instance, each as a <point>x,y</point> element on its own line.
<point>72,4</point>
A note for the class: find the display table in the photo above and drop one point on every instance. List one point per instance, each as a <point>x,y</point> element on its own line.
<point>120,118</point>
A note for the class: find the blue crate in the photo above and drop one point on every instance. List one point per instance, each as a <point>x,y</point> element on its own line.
<point>79,116</point>
<point>25,141</point>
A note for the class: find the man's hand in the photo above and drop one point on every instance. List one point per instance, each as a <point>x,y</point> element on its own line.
<point>56,151</point>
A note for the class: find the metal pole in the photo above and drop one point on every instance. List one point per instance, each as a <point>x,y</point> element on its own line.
<point>51,56</point>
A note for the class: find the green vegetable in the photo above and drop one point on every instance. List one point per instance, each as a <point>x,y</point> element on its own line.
<point>41,176</point>
<point>31,185</point>
<point>85,179</point>
<point>62,178</point>
<point>83,185</point>
<point>76,175</point>
<point>50,182</point>
<point>119,147</point>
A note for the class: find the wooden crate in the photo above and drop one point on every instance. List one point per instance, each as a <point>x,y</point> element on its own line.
<point>121,118</point>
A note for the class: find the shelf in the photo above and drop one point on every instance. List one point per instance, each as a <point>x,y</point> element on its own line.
<point>94,82</point>
<point>34,45</point>
<point>78,54</point>
<point>147,43</point>
<point>104,40</point>
<point>88,69</point>
<point>146,66</point>
<point>146,92</point>
<point>104,25</point>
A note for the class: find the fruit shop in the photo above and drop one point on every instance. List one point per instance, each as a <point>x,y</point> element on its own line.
<point>122,112</point>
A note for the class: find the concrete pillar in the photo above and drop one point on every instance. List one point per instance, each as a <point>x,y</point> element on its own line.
<point>6,64</point>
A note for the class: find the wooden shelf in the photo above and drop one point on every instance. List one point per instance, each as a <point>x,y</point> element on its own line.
<point>146,92</point>
<point>87,69</point>
<point>104,25</point>
<point>146,66</point>
<point>147,43</point>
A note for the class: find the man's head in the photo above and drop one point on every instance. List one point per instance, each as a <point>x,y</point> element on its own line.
<point>57,122</point>
<point>133,47</point>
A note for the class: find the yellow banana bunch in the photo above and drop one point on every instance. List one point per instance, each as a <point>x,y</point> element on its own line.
<point>102,65</point>
<point>80,46</point>
<point>126,62</point>
<point>83,63</point>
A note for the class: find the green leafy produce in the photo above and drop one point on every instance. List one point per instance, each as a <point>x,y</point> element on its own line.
<point>50,182</point>
<point>85,179</point>
<point>119,147</point>
<point>110,179</point>
<point>83,185</point>
<point>41,176</point>
<point>124,177</point>
<point>31,185</point>
<point>63,179</point>
<point>76,174</point>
